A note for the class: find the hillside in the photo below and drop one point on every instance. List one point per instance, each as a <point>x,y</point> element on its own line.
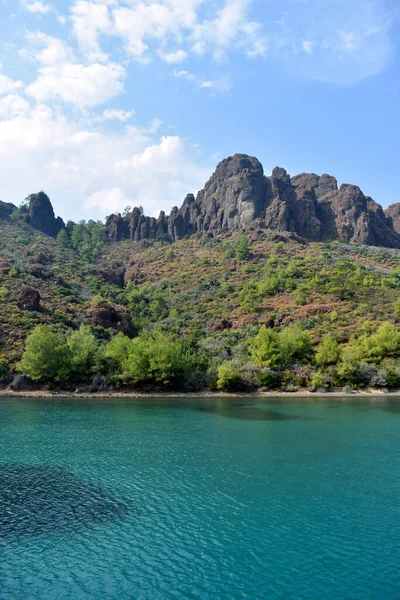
<point>220,294</point>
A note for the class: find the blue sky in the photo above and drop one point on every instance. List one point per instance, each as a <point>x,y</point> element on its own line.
<point>106,103</point>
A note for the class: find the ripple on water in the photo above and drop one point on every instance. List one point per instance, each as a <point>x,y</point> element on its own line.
<point>45,499</point>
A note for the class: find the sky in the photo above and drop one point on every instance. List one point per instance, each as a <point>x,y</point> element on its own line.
<point>109,103</point>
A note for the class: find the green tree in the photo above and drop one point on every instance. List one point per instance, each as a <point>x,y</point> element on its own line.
<point>243,248</point>
<point>46,357</point>
<point>63,240</point>
<point>328,352</point>
<point>294,344</point>
<point>265,349</point>
<point>84,349</point>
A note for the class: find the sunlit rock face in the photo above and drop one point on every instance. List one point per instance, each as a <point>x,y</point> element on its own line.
<point>238,196</point>
<point>36,500</point>
<point>393,214</point>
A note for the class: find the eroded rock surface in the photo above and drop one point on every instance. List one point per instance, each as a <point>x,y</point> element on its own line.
<point>239,196</point>
<point>41,215</point>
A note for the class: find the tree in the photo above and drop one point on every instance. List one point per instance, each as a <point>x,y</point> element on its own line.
<point>264,348</point>
<point>328,352</point>
<point>84,352</point>
<point>294,344</point>
<point>276,350</point>
<point>243,248</point>
<point>63,240</point>
<point>46,357</point>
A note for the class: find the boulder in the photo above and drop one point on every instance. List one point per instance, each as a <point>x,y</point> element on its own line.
<point>111,317</point>
<point>29,299</point>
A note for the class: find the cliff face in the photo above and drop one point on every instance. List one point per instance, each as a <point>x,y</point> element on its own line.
<point>240,196</point>
<point>393,214</point>
<point>41,215</point>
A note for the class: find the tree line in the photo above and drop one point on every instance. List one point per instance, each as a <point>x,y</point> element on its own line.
<point>272,359</point>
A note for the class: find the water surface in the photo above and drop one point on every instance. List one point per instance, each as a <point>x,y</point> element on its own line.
<point>206,499</point>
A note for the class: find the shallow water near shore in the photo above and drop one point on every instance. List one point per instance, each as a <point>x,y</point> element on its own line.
<point>217,498</point>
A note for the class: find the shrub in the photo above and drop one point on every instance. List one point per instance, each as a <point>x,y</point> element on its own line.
<point>318,381</point>
<point>228,377</point>
<point>268,379</point>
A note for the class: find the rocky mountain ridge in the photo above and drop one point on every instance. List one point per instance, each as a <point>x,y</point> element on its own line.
<point>239,196</point>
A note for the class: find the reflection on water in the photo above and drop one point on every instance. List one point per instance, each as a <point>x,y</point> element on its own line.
<point>37,500</point>
<point>246,412</point>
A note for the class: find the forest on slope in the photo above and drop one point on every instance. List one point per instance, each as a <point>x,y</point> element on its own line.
<point>236,310</point>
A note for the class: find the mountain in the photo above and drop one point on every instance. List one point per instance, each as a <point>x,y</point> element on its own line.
<point>248,251</point>
<point>239,196</point>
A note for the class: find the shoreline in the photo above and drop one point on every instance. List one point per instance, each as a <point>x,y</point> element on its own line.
<point>278,395</point>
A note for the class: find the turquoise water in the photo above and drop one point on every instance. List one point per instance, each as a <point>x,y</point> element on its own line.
<point>207,499</point>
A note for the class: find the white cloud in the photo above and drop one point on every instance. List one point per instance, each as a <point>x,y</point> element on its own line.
<point>45,49</point>
<point>12,106</point>
<point>7,84</point>
<point>37,7</point>
<point>83,86</point>
<point>78,164</point>
<point>171,28</point>
<point>307,46</point>
<point>108,200</point>
<point>112,114</point>
<point>89,19</point>
<point>222,85</point>
<point>173,57</point>
<point>344,42</point>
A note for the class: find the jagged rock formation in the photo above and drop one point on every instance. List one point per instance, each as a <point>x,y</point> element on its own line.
<point>240,196</point>
<point>393,214</point>
<point>6,208</point>
<point>41,215</point>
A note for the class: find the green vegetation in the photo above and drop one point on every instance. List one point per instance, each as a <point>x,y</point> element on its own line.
<point>233,312</point>
<point>86,238</point>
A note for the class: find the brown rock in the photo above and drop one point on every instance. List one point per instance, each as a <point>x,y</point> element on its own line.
<point>111,317</point>
<point>116,228</point>
<point>393,215</point>
<point>29,299</point>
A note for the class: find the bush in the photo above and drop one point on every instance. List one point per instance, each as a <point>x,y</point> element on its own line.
<point>228,377</point>
<point>268,379</point>
<point>318,381</point>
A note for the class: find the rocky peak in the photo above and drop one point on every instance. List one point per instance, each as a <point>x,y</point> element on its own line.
<point>6,208</point>
<point>41,215</point>
<point>281,174</point>
<point>239,196</point>
<point>393,215</point>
